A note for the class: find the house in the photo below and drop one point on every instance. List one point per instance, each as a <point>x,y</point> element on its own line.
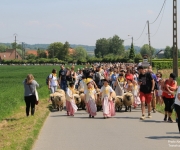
<point>160,54</point>
<point>34,52</point>
<point>10,54</point>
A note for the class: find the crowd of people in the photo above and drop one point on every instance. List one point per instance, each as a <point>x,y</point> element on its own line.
<point>148,88</point>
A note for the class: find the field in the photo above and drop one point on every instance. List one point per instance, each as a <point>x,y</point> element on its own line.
<point>14,125</point>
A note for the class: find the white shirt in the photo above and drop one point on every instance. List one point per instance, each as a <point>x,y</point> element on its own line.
<point>53,80</point>
<point>177,101</point>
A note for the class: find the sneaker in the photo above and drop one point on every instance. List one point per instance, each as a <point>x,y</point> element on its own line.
<point>165,118</point>
<point>142,118</point>
<point>149,116</point>
<point>154,110</point>
<point>170,120</point>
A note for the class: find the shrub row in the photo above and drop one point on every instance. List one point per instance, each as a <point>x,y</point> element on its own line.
<point>163,64</point>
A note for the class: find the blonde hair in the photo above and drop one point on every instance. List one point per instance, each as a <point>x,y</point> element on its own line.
<point>29,78</point>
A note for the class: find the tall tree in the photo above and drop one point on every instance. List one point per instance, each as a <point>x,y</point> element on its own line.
<point>116,45</point>
<point>41,53</point>
<point>55,50</point>
<point>102,47</point>
<point>3,48</point>
<point>132,52</point>
<point>168,53</point>
<point>145,50</point>
<point>80,54</point>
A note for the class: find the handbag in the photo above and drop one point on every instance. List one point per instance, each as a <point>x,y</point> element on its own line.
<point>36,95</point>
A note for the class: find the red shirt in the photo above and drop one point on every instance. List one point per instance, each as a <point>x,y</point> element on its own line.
<point>171,84</point>
<point>129,77</point>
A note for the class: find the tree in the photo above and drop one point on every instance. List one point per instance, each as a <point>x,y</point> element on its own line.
<point>3,48</point>
<point>55,50</point>
<point>31,56</point>
<point>145,50</point>
<point>41,53</point>
<point>15,45</point>
<point>65,51</point>
<point>102,47</point>
<point>116,45</point>
<point>80,54</point>
<point>132,52</point>
<point>168,53</point>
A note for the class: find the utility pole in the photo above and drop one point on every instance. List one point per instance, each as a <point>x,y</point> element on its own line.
<point>22,51</point>
<point>175,41</point>
<point>149,43</point>
<point>15,46</point>
<point>132,39</point>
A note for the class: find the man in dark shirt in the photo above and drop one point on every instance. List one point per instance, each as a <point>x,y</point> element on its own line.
<point>146,83</point>
<point>62,78</point>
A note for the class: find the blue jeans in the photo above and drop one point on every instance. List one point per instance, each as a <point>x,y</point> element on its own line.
<point>63,85</point>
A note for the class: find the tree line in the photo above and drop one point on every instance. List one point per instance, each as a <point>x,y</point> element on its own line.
<point>105,49</point>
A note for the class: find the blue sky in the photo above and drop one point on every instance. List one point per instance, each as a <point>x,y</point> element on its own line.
<point>84,21</point>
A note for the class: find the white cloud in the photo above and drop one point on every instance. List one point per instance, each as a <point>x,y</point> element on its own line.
<point>150,12</point>
<point>89,25</point>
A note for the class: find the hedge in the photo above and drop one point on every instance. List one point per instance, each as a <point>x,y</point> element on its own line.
<point>163,64</point>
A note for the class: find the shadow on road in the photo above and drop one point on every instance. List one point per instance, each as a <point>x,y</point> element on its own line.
<point>153,121</point>
<point>126,117</point>
<point>163,137</point>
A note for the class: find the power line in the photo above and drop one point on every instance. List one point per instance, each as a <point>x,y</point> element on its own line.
<point>160,22</point>
<point>142,32</point>
<point>159,12</point>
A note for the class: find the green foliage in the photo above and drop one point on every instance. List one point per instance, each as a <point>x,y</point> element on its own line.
<point>112,45</point>
<point>80,54</point>
<point>168,52</point>
<point>12,91</point>
<point>3,48</point>
<point>132,52</point>
<point>30,56</point>
<point>41,54</point>
<point>163,64</point>
<point>145,50</point>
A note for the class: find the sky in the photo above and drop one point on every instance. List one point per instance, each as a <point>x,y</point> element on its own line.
<point>85,21</point>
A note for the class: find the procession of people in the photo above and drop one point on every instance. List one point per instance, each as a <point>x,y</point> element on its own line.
<point>107,79</point>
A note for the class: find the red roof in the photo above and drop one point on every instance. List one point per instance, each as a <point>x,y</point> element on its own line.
<point>10,55</point>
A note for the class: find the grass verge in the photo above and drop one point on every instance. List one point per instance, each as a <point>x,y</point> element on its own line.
<point>20,132</point>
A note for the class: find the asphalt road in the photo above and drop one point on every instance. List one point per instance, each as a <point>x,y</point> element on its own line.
<point>124,131</point>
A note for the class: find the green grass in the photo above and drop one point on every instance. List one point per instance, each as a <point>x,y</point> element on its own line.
<point>11,86</point>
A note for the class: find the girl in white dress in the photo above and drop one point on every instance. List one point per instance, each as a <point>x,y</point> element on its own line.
<point>107,102</point>
<point>90,99</point>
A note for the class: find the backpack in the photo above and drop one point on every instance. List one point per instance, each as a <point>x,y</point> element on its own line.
<point>47,79</point>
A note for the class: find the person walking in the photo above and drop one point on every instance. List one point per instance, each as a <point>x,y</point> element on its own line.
<point>177,107</point>
<point>71,107</point>
<point>169,88</point>
<point>107,102</point>
<point>147,84</point>
<point>53,82</point>
<point>29,93</point>
<point>90,99</point>
<point>62,78</point>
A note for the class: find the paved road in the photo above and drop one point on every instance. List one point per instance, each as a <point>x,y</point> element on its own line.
<point>124,131</point>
